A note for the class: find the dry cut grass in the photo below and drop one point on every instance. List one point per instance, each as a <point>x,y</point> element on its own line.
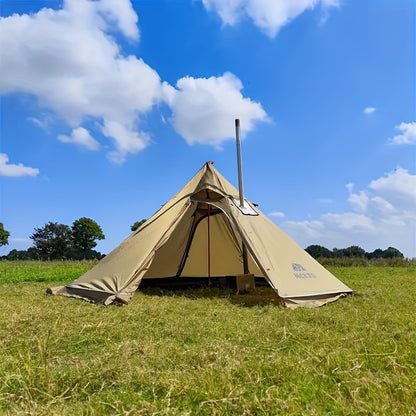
<point>210,352</point>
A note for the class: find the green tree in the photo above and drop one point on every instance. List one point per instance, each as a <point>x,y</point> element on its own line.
<point>376,254</point>
<point>30,254</point>
<point>317,251</point>
<point>352,251</point>
<point>392,252</point>
<point>4,236</point>
<point>13,255</point>
<point>53,241</point>
<point>137,224</point>
<point>84,233</point>
<point>18,255</point>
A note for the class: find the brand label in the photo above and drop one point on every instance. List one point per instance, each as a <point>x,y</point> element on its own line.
<point>301,273</point>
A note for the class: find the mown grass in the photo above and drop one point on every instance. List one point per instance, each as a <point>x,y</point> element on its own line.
<point>42,271</point>
<point>210,352</point>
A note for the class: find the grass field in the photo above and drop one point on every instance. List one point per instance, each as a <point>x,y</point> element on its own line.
<point>207,352</point>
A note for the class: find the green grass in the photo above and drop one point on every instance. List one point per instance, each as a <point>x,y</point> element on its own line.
<point>210,352</point>
<point>42,271</point>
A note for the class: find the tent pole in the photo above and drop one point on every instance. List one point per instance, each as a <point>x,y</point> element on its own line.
<point>240,187</point>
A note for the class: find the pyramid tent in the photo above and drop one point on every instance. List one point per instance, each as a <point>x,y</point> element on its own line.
<point>200,233</point>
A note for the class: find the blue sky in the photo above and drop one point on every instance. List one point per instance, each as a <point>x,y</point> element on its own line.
<point>108,107</point>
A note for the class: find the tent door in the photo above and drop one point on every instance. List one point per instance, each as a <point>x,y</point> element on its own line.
<point>213,247</point>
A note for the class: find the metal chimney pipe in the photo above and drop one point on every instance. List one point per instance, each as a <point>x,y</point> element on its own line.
<point>240,189</point>
<point>240,169</point>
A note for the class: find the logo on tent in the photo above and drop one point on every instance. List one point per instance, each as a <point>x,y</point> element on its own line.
<point>299,268</point>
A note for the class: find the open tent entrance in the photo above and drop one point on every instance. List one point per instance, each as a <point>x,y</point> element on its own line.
<point>203,247</point>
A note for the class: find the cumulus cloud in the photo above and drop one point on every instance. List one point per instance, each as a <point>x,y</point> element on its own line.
<point>408,135</point>
<point>69,62</point>
<point>399,188</point>
<point>81,137</point>
<point>68,59</point>
<point>269,15</point>
<point>369,110</point>
<point>9,169</point>
<point>204,109</point>
<point>382,215</point>
<point>128,140</point>
<point>121,13</point>
<point>359,201</point>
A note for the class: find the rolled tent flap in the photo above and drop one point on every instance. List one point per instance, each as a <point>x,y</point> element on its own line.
<point>173,243</point>
<point>312,301</point>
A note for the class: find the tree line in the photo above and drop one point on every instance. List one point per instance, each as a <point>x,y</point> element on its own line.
<point>56,241</point>
<point>317,252</point>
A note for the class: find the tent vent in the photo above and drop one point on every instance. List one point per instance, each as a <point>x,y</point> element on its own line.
<point>247,209</point>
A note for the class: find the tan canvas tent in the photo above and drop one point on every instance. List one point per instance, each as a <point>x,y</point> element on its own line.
<point>199,233</point>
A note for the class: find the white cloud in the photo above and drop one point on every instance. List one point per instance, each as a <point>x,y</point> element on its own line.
<point>8,169</point>
<point>307,229</point>
<point>122,13</point>
<point>408,135</point>
<point>385,216</point>
<point>359,201</point>
<point>70,62</point>
<point>350,187</point>
<point>42,123</point>
<point>398,188</point>
<point>204,109</point>
<point>75,68</point>
<point>349,221</point>
<point>21,240</point>
<point>127,140</point>
<point>81,137</point>
<point>277,214</point>
<point>269,15</point>
<point>369,110</point>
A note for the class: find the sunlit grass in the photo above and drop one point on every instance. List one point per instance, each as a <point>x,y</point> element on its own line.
<point>42,271</point>
<point>211,352</point>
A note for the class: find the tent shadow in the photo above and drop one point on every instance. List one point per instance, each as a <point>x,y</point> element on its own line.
<point>258,297</point>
